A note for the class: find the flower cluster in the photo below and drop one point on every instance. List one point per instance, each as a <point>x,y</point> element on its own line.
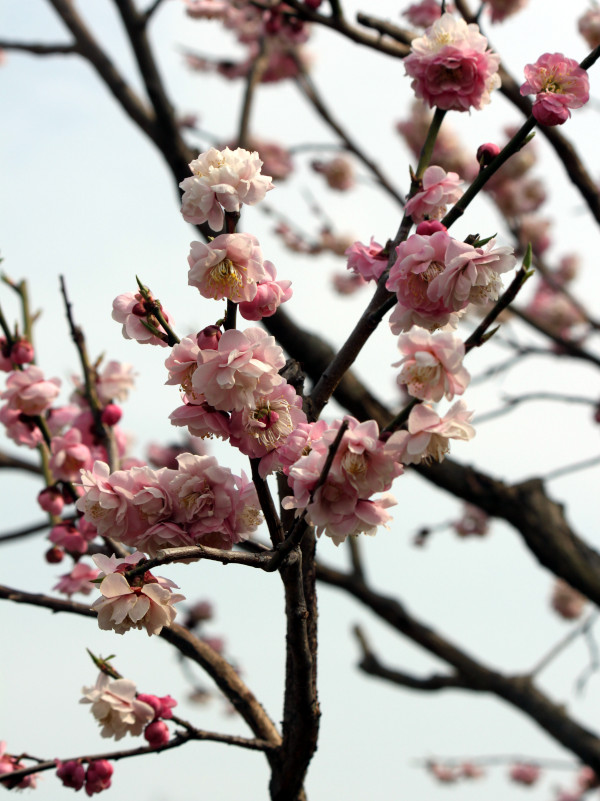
<point>451,65</point>
<point>96,777</point>
<point>432,365</point>
<point>9,764</point>
<point>439,189</point>
<point>559,84</point>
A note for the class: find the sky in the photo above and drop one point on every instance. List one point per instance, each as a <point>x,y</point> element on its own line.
<point>86,196</point>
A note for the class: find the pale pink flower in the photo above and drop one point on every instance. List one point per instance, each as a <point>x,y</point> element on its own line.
<point>338,173</point>
<point>51,500</point>
<point>470,771</point>
<point>245,364</point>
<point>107,502</point>
<point>222,180</point>
<point>297,444</point>
<point>425,13</point>
<point>69,456</point>
<point>78,580</point>
<point>20,428</point>
<point>207,9</point>
<point>518,196</point>
<point>181,364</point>
<point>500,9</point>
<point>439,189</point>
<point>368,261</point>
<point>432,366</point>
<point>116,708</point>
<point>443,773</point>
<point>130,309</point>
<point>29,392</point>
<point>535,231</point>
<point>9,764</point>
<point>201,420</point>
<point>114,381</point>
<point>589,27</point>
<point>270,294</point>
<point>566,601</point>
<point>472,275</point>
<point>67,536</point>
<point>522,773</point>
<point>559,84</point>
<point>229,266</point>
<point>336,243</point>
<point>451,66</point>
<point>147,603</point>
<point>555,312</point>
<point>265,426</point>
<point>347,283</point>
<point>428,434</point>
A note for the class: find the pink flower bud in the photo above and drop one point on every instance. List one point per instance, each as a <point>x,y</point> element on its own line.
<point>525,774</point>
<point>71,773</point>
<point>487,153</point>
<point>54,555</point>
<point>51,500</point>
<point>111,414</point>
<point>166,706</point>
<point>208,338</point>
<point>97,777</point>
<point>153,701</point>
<point>22,352</point>
<point>157,733</point>
<point>429,227</point>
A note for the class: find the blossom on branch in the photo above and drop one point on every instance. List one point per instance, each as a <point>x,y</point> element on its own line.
<point>116,708</point>
<point>433,365</point>
<point>559,84</point>
<point>428,434</point>
<point>439,188</point>
<point>229,266</point>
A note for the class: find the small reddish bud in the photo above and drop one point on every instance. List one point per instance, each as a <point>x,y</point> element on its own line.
<point>97,777</point>
<point>139,310</point>
<point>22,352</point>
<point>71,773</point>
<point>54,555</point>
<point>429,227</point>
<point>153,701</point>
<point>157,733</point>
<point>487,153</point>
<point>208,338</point>
<point>111,414</point>
<point>51,500</point>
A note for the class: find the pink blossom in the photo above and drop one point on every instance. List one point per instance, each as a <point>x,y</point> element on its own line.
<point>443,773</point>
<point>98,776</point>
<point>338,173</point>
<point>587,779</point>
<point>368,261</point>
<point>69,537</point>
<point>559,84</point>
<point>347,283</point>
<point>472,275</point>
<point>78,580</point>
<point>264,426</point>
<point>518,196</point>
<point>535,230</point>
<point>20,428</point>
<point>29,392</point>
<point>222,180</point>
<point>130,309</point>
<point>51,500</point>
<point>566,601</point>
<point>229,266</point>
<point>555,312</point>
<point>425,13</point>
<point>297,444</point>
<point>21,351</point>
<point>114,382</point>
<point>589,27</point>
<point>207,9</point>
<point>69,456</point>
<point>432,366</point>
<point>500,9</point>
<point>10,764</point>
<point>428,434</point>
<point>71,773</point>
<point>147,603</point>
<point>439,189</point>
<point>245,364</point>
<point>116,708</point>
<point>270,294</point>
<point>451,66</point>
<point>181,364</point>
<point>107,502</point>
<point>474,522</point>
<point>201,420</point>
<point>522,773</point>
<point>157,733</point>
<point>277,161</point>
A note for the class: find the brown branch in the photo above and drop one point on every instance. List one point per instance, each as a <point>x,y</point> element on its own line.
<point>25,532</point>
<point>15,463</point>
<point>38,49</point>
<point>519,691</point>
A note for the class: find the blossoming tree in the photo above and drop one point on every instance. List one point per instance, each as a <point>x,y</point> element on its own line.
<point>318,447</point>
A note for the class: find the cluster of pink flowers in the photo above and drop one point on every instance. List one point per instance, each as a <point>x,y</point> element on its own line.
<point>436,277</point>
<point>559,84</point>
<point>451,66</point>
<point>9,764</point>
<point>439,189</point>
<point>96,777</point>
<point>222,180</point>
<point>363,466</point>
<point>144,602</point>
<point>432,366</point>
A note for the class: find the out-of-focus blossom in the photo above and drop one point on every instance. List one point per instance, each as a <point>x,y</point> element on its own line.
<point>222,180</point>
<point>338,173</point>
<point>444,773</point>
<point>556,312</point>
<point>9,764</point>
<point>451,66</point>
<point>78,580</point>
<point>51,500</point>
<point>347,283</point>
<point>270,294</point>
<point>98,776</point>
<point>432,366</point>
<point>425,13</point>
<point>114,381</point>
<point>69,456</point>
<point>589,27</point>
<point>368,261</point>
<point>29,392</point>
<point>515,197</point>
<point>559,84</point>
<point>500,9</point>
<point>207,9</point>
<point>71,773</point>
<point>439,189</point>
<point>229,266</point>
<point>67,536</point>
<point>116,708</point>
<point>473,523</point>
<point>522,773</point>
<point>336,243</point>
<point>566,601</point>
<point>535,231</point>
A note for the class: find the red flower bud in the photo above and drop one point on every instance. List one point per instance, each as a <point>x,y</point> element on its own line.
<point>111,414</point>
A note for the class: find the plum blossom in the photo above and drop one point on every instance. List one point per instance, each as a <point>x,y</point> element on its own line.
<point>146,603</point>
<point>181,364</point>
<point>432,366</point>
<point>264,426</point>
<point>222,180</point>
<point>451,66</point>
<point>71,773</point>
<point>229,266</point>
<point>589,27</point>
<point>9,764</point>
<point>114,381</point>
<point>500,9</point>
<point>559,84</point>
<point>98,776</point>
<point>69,456</point>
<point>116,708</point>
<point>20,428</point>
<point>270,294</point>
<point>78,580</point>
<point>201,420</point>
<point>338,173</point>
<point>130,309</point>
<point>244,365</point>
<point>523,773</point>
<point>425,13</point>
<point>439,189</point>
<point>428,434</point>
<point>368,261</point>
<point>29,392</point>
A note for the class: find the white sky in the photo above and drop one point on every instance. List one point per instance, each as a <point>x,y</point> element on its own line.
<point>86,196</point>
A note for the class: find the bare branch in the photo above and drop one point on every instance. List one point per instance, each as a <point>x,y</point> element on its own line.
<point>39,49</point>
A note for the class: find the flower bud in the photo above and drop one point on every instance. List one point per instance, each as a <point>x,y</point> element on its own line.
<point>54,555</point>
<point>208,338</point>
<point>487,153</point>
<point>22,352</point>
<point>429,227</point>
<point>111,414</point>
<point>153,701</point>
<point>51,500</point>
<point>157,733</point>
<point>97,777</point>
<point>71,773</point>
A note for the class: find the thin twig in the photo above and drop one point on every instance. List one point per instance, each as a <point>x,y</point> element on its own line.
<point>563,644</point>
